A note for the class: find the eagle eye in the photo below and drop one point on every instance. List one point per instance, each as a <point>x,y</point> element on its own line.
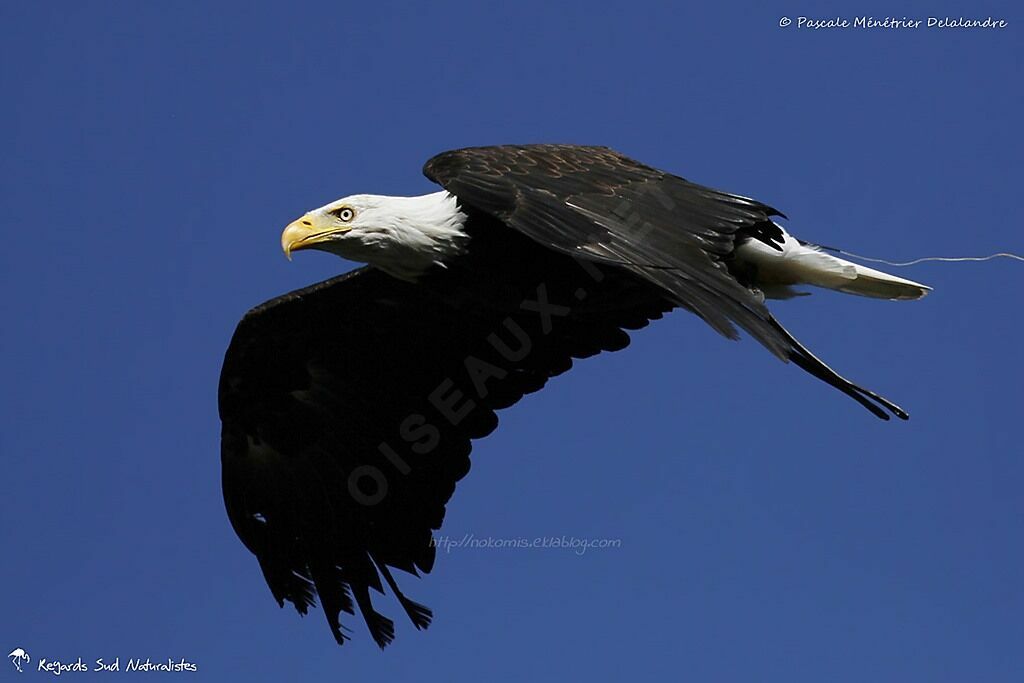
<point>344,214</point>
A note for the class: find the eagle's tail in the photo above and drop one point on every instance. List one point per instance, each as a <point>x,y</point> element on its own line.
<point>853,278</point>
<point>795,263</point>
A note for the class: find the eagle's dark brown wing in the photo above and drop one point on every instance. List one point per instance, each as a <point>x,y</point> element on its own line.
<point>601,206</point>
<point>348,408</point>
<point>594,203</point>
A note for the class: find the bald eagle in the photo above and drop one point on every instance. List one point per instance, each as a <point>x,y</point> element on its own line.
<point>349,407</point>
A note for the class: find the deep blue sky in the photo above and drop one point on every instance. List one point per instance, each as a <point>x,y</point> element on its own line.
<point>770,528</point>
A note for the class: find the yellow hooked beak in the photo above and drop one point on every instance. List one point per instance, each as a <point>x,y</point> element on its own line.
<point>305,233</point>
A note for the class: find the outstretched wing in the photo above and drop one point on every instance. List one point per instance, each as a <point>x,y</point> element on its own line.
<point>348,409</point>
<point>596,204</point>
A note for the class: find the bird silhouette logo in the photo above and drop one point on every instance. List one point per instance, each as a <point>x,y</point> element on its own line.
<point>17,657</point>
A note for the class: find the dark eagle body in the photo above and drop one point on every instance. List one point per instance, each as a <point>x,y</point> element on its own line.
<point>349,407</point>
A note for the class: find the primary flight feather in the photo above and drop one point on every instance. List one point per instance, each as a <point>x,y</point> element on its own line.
<point>349,407</point>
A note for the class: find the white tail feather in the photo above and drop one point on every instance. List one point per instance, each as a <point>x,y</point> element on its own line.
<point>875,283</point>
<point>805,264</point>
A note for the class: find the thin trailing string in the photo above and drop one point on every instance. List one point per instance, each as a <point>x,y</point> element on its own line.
<point>948,259</point>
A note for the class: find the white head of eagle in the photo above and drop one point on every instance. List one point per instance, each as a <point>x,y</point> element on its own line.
<point>403,236</point>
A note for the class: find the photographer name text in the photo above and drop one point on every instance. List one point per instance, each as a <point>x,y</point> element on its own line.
<point>912,23</point>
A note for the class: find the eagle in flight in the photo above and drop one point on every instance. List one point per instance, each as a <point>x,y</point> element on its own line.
<point>349,407</point>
